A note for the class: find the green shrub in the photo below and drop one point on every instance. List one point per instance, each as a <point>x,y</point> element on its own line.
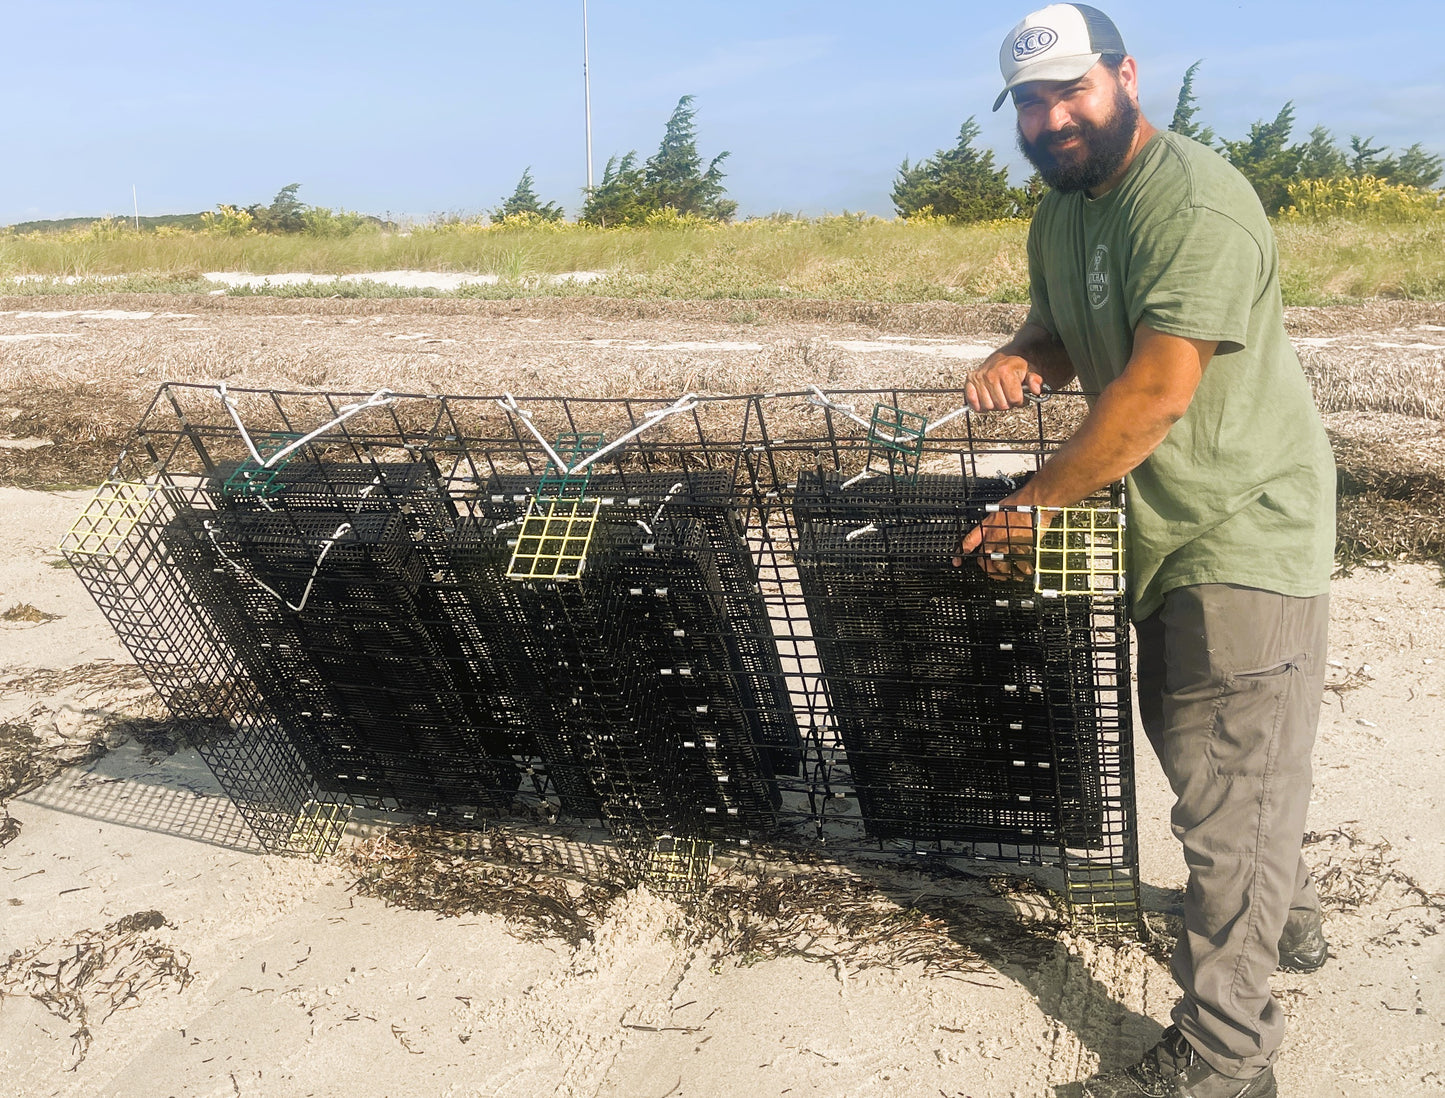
<point>321,221</point>
<point>1364,198</point>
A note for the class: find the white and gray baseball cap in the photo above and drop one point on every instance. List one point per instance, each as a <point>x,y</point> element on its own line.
<point>1059,42</point>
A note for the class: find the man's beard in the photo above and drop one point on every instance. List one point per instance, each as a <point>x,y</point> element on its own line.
<point>1106,146</point>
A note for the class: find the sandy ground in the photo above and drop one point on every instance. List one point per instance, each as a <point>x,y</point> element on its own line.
<point>272,976</point>
<point>411,280</point>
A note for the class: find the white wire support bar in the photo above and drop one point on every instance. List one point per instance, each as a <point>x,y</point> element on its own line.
<point>245,573</point>
<point>685,403</point>
<point>822,400</point>
<point>676,488</point>
<point>378,399</point>
<point>941,420</point>
<point>509,402</point>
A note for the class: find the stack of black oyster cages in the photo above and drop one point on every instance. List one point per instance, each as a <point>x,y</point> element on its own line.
<point>752,630</point>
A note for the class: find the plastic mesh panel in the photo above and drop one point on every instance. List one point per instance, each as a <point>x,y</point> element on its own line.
<point>1079,551</point>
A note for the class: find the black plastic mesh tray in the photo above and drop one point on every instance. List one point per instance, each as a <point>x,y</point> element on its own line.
<point>938,677</point>
<point>369,684</point>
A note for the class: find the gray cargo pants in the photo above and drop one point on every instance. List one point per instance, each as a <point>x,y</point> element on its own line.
<point>1230,680</point>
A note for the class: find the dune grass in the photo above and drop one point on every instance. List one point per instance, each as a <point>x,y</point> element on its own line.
<point>844,257</point>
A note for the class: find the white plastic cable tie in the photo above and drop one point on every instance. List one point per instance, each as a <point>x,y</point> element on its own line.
<point>378,399</point>
<point>864,475</point>
<point>822,400</point>
<point>676,488</point>
<point>871,528</point>
<point>247,574</point>
<point>685,403</point>
<point>509,402</point>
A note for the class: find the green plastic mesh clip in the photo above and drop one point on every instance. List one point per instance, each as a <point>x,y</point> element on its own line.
<point>571,447</point>
<point>252,480</point>
<point>895,438</point>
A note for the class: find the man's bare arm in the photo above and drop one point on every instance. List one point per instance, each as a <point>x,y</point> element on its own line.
<point>1129,420</point>
<point>1032,359</point>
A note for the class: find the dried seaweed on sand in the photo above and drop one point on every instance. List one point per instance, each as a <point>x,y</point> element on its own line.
<point>509,873</point>
<point>86,978</point>
<point>1360,876</point>
<point>776,903</point>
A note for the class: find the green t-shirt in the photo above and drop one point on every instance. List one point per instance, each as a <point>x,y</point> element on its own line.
<point>1242,490</point>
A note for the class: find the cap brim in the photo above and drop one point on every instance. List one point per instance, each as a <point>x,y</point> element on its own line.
<point>1054,68</point>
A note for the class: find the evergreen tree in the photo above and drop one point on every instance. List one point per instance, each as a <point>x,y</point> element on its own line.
<point>524,200</point>
<point>1417,168</point>
<point>286,214</point>
<point>1186,108</point>
<point>1366,158</point>
<point>1267,159</point>
<point>1321,158</point>
<point>961,183</point>
<point>673,176</point>
<point>620,198</point>
<point>1030,195</point>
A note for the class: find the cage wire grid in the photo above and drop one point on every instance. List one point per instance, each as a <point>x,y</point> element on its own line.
<point>749,629</point>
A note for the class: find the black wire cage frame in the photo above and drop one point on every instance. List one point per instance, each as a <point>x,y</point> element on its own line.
<point>717,619</point>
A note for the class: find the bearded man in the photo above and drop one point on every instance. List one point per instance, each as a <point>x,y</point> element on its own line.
<point>1154,282</point>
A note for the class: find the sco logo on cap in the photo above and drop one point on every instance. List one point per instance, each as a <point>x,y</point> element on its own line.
<point>1032,42</point>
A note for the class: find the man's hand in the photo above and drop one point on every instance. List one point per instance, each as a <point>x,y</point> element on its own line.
<point>1009,533</point>
<point>1127,421</point>
<point>1001,383</point>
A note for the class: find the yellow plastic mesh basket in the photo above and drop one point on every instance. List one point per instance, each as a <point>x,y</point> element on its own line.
<point>318,829</point>
<point>554,539</point>
<point>108,519</point>
<point>678,866</point>
<point>1081,552</point>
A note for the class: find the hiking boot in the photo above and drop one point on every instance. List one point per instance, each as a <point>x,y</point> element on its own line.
<point>1172,1069</point>
<point>1302,946</point>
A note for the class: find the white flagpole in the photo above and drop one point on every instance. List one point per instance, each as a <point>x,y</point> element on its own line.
<point>587,95</point>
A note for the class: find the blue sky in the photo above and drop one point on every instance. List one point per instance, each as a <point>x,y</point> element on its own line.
<point>433,106</point>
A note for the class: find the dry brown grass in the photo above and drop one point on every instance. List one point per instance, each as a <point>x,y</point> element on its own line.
<point>84,394</point>
<point>1359,875</point>
<point>24,612</point>
<point>1372,380</point>
<point>1391,487</point>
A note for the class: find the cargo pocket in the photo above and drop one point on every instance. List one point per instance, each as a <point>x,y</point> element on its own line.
<point>1247,717</point>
